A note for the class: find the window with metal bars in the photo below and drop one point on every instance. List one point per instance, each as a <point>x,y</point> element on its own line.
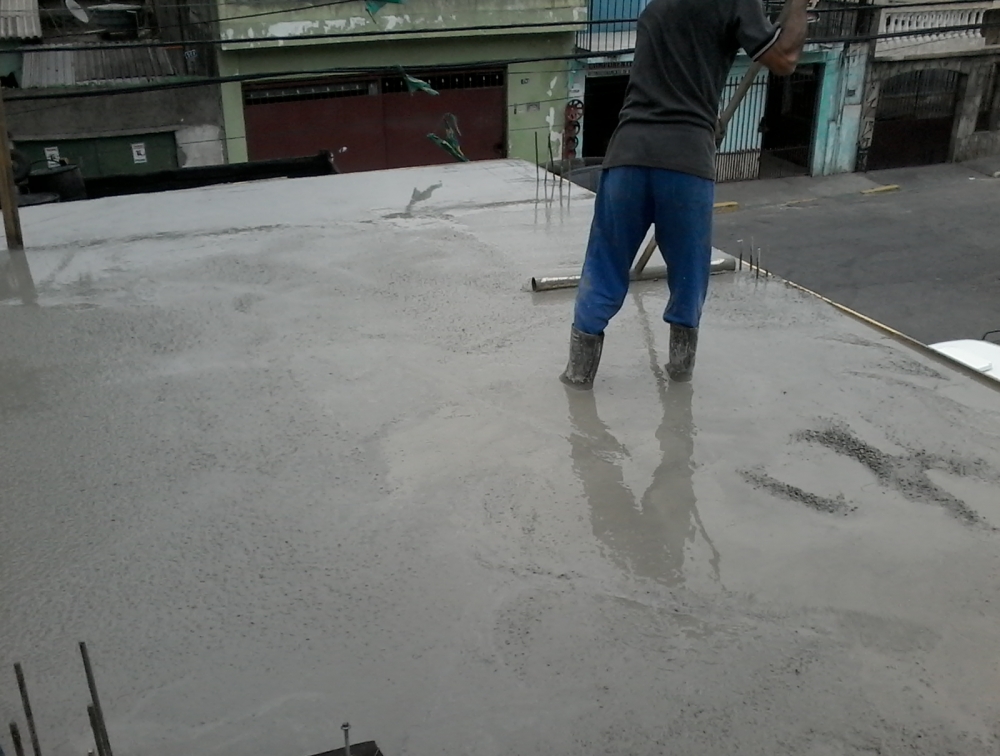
<point>830,19</point>
<point>919,95</point>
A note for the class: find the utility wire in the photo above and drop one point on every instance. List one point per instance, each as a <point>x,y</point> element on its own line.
<point>194,22</point>
<point>326,35</point>
<point>904,6</point>
<point>385,33</point>
<point>15,111</point>
<point>185,83</point>
<point>212,80</point>
<point>104,150</point>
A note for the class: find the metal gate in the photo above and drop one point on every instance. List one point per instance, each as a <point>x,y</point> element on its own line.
<point>372,124</point>
<point>914,119</point>
<point>738,158</point>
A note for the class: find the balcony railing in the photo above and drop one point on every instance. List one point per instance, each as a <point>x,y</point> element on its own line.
<point>611,30</point>
<point>831,19</point>
<point>931,32</point>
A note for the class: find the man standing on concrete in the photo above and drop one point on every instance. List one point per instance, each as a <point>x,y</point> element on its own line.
<point>660,165</point>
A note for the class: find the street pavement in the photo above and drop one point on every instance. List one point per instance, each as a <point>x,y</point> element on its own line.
<point>923,259</point>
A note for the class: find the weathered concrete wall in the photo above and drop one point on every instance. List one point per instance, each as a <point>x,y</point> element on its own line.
<point>195,114</point>
<point>537,91</point>
<point>200,145</point>
<point>967,143</point>
<point>435,16</point>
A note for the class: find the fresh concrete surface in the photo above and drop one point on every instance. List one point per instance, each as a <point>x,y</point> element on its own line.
<point>923,259</point>
<point>293,453</point>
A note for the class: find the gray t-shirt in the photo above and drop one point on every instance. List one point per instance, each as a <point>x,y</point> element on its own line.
<point>684,50</point>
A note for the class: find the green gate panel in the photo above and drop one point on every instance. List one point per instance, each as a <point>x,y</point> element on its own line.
<point>109,156</point>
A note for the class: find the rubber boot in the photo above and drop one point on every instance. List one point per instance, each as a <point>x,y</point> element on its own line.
<point>683,345</point>
<point>584,357</point>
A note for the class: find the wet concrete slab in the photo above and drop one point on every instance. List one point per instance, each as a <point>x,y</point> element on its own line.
<point>294,453</point>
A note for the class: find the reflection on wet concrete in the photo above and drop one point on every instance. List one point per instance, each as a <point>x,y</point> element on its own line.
<point>647,537</point>
<point>15,277</point>
<point>419,195</point>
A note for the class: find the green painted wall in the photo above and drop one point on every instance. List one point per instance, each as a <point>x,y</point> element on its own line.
<point>109,156</point>
<point>536,91</point>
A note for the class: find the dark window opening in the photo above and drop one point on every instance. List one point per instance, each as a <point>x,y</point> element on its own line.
<point>789,122</point>
<point>602,102</point>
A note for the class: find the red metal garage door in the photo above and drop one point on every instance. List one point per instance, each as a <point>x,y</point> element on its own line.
<point>476,99</point>
<point>302,119</point>
<point>375,124</point>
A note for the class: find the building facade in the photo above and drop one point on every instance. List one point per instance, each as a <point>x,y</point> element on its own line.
<point>878,86</point>
<point>117,133</point>
<point>933,90</point>
<point>335,77</point>
<point>807,123</point>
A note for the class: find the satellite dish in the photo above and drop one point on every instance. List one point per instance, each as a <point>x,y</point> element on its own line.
<point>78,12</point>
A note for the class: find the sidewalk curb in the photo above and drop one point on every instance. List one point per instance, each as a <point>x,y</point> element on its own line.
<point>726,207</point>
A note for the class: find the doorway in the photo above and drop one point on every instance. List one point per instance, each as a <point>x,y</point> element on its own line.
<point>790,122</point>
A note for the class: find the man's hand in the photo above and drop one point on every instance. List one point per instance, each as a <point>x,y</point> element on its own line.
<point>783,56</point>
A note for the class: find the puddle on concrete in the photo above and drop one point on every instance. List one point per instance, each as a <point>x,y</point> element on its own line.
<point>647,533</point>
<point>649,529</point>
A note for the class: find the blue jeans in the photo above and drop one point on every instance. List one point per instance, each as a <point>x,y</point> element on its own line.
<point>629,200</point>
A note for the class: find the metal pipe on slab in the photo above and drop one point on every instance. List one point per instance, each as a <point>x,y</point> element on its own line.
<point>96,729</point>
<point>26,702</point>
<point>105,741</point>
<point>15,735</point>
<point>346,727</point>
<point>646,254</point>
<point>538,177</point>
<point>550,283</point>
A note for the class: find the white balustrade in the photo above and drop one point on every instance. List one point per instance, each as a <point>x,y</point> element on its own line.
<point>925,32</point>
